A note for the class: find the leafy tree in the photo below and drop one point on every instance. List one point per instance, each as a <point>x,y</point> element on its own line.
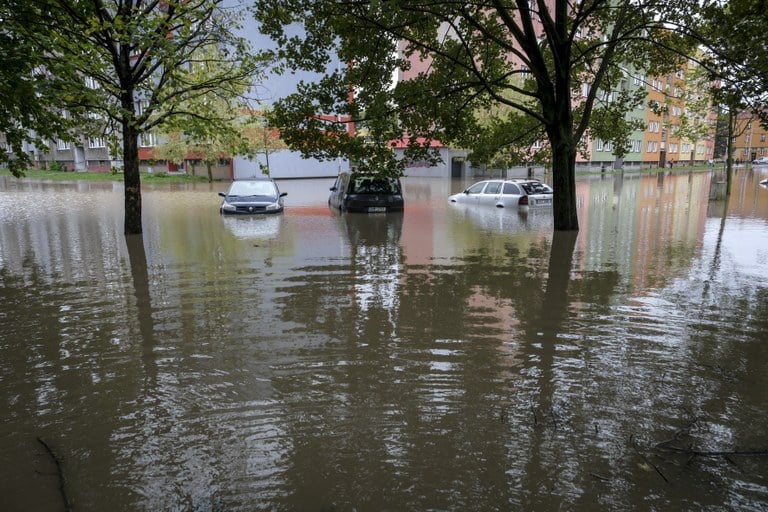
<point>735,41</point>
<point>206,125</point>
<point>530,56</point>
<point>26,88</point>
<point>262,138</point>
<point>138,59</point>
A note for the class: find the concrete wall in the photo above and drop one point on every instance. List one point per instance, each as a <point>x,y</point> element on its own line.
<point>288,164</point>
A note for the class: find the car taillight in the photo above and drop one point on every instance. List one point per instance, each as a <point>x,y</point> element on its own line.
<point>523,201</point>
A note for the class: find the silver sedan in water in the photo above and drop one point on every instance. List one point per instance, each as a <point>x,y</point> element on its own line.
<point>518,193</point>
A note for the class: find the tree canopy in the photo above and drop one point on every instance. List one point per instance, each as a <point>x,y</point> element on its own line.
<point>132,65</point>
<point>736,43</point>
<point>491,75</point>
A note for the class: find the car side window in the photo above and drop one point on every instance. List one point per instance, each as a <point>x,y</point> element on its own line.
<point>493,187</point>
<point>511,189</point>
<point>476,188</point>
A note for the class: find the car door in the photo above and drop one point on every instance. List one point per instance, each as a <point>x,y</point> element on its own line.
<point>491,193</point>
<point>338,190</point>
<point>510,195</point>
<point>472,194</point>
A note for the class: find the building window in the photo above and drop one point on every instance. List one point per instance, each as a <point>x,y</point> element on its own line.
<point>91,82</point>
<point>147,140</point>
<point>62,144</point>
<point>141,106</point>
<point>96,142</point>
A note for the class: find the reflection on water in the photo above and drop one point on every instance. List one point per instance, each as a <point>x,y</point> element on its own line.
<point>262,227</point>
<point>447,358</point>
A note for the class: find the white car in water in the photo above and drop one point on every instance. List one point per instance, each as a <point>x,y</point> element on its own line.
<point>515,193</point>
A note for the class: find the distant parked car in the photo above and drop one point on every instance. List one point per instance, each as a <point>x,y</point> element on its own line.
<point>252,197</point>
<point>760,161</point>
<point>518,193</point>
<point>366,193</point>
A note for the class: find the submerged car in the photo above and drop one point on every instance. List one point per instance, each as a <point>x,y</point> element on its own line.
<point>252,196</point>
<point>760,161</point>
<point>512,193</point>
<point>366,193</point>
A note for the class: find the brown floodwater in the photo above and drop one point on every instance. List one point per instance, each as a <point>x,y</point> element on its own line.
<point>444,359</point>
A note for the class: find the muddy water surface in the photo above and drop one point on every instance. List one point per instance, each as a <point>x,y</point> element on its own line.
<point>443,359</point>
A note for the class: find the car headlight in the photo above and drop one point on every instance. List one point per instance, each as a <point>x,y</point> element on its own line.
<point>225,206</point>
<point>273,207</point>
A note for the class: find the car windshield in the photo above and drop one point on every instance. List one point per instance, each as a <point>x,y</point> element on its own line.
<point>252,188</point>
<point>370,185</point>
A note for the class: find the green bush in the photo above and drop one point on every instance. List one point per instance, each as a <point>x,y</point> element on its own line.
<point>56,167</point>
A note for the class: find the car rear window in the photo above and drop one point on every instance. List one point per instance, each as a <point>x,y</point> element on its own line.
<point>535,188</point>
<point>368,185</point>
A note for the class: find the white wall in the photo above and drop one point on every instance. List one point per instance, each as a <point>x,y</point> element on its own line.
<point>289,164</point>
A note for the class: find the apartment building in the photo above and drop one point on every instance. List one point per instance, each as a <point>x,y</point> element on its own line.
<point>750,139</point>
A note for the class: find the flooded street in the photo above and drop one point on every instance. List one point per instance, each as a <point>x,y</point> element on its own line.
<point>448,358</point>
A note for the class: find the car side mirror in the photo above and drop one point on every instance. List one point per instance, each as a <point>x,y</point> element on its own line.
<point>222,194</point>
<point>333,189</point>
<point>283,194</point>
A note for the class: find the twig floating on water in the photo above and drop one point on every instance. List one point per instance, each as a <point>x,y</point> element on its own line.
<point>60,471</point>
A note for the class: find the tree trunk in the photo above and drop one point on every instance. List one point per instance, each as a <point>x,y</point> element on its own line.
<point>564,179</point>
<point>729,160</point>
<point>557,106</point>
<point>131,179</point>
<point>210,172</point>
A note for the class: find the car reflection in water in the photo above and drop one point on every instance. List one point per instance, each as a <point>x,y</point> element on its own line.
<point>376,259</point>
<point>260,227</point>
<point>502,219</point>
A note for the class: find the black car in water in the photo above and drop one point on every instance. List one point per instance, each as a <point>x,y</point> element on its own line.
<point>252,196</point>
<point>366,193</point>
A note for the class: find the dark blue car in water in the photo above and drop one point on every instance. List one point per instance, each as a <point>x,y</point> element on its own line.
<point>366,193</point>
